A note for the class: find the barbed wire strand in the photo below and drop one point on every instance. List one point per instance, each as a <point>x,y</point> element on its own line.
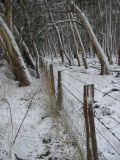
<point>107,141</point>
<point>69,101</point>
<point>94,115</point>
<point>95,87</point>
<point>75,127</point>
<point>113,134</point>
<point>103,93</point>
<point>109,116</point>
<point>72,87</point>
<point>71,93</point>
<point>69,116</point>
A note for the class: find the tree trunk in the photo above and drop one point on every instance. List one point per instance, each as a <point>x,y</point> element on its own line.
<point>32,42</point>
<point>59,38</point>
<point>37,60</point>
<point>19,68</point>
<point>81,44</point>
<point>76,45</point>
<point>61,49</point>
<point>99,51</point>
<point>31,61</point>
<point>8,13</point>
<point>119,56</point>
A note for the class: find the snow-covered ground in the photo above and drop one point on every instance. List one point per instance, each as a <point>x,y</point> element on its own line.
<point>107,104</point>
<point>41,135</point>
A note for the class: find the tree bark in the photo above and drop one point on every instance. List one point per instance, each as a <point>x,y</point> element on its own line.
<point>76,45</point>
<point>81,44</point>
<point>119,55</point>
<point>31,61</point>
<point>96,46</point>
<point>19,68</point>
<point>61,49</point>
<point>8,14</point>
<point>59,38</point>
<point>32,42</point>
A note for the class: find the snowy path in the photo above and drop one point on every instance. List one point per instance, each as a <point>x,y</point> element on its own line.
<point>41,136</point>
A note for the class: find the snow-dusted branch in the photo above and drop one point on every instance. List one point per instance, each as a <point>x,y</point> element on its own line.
<point>59,22</point>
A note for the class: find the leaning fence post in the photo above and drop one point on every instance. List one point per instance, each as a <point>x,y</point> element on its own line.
<point>59,96</point>
<point>89,121</point>
<point>52,79</point>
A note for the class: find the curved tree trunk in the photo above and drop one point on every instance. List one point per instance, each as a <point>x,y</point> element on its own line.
<point>59,38</point>
<point>81,44</point>
<point>32,42</point>
<point>19,68</point>
<point>61,48</point>
<point>76,45</point>
<point>8,13</point>
<point>31,61</point>
<point>96,46</point>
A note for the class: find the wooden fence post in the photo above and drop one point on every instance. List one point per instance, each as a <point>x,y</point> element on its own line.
<point>89,121</point>
<point>52,79</point>
<point>59,96</point>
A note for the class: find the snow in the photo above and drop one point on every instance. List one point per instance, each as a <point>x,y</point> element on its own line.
<point>106,105</point>
<point>45,135</point>
<point>42,135</point>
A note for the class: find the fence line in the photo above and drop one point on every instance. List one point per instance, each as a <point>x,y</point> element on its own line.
<point>73,87</point>
<point>95,87</point>
<point>70,102</point>
<point>101,92</point>
<point>75,127</point>
<point>72,94</point>
<point>107,141</point>
<point>113,134</point>
<point>92,152</point>
<point>109,116</point>
<point>77,111</point>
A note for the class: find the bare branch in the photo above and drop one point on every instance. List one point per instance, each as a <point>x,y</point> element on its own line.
<point>52,24</point>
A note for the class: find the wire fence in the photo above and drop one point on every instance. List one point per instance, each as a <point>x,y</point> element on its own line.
<point>95,87</point>
<point>74,109</point>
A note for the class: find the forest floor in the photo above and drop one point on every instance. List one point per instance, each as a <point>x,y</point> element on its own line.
<point>41,135</point>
